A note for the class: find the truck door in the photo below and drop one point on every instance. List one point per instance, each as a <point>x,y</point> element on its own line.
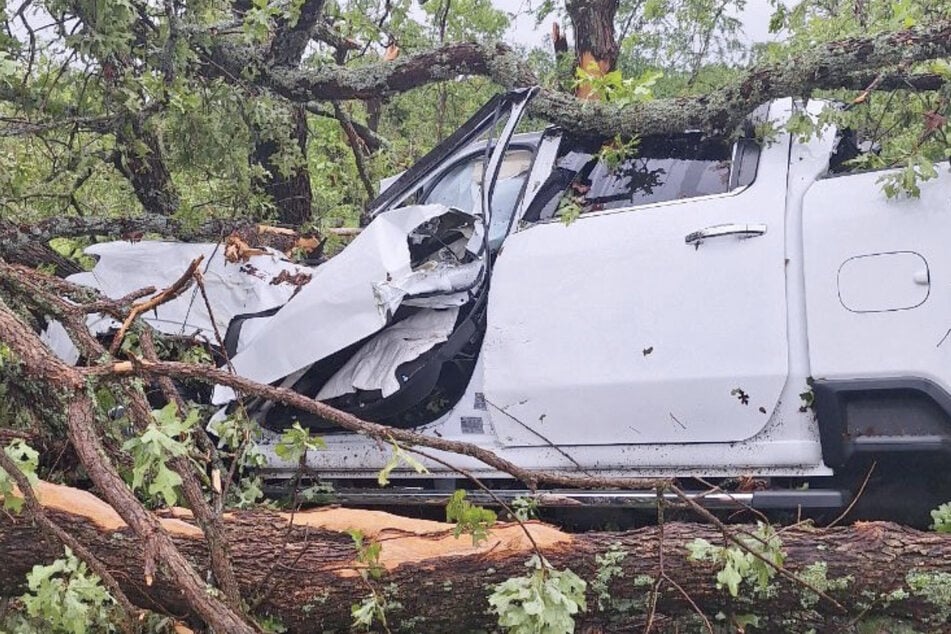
<point>656,315</point>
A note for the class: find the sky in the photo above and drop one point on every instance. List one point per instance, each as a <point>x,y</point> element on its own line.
<point>755,18</point>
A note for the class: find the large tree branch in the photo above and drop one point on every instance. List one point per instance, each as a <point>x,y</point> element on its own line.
<point>332,82</point>
<point>16,236</point>
<point>830,66</point>
<point>834,65</point>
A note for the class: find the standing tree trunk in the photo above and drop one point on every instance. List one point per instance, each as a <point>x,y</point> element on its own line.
<point>434,582</point>
<point>596,48</point>
<point>291,194</point>
<point>141,160</point>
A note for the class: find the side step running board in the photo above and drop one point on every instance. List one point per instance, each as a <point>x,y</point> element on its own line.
<point>761,500</point>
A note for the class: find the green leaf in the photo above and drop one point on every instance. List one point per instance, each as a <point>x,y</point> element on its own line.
<point>295,442</point>
<point>543,601</point>
<point>469,518</point>
<point>942,518</point>
<point>151,451</point>
<point>67,598</point>
<point>27,460</point>
<point>730,578</point>
<point>397,457</point>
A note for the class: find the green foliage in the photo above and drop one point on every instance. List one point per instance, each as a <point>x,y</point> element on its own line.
<point>259,20</point>
<point>271,625</point>
<point>942,518</point>
<point>67,598</point>
<point>397,457</point>
<point>237,440</point>
<point>166,437</point>
<point>917,169</point>
<point>617,152</point>
<point>296,441</point>
<point>72,248</point>
<point>909,129</point>
<point>613,88</point>
<point>470,519</point>
<point>26,459</point>
<point>525,508</point>
<point>369,611</point>
<point>368,554</point>
<point>542,602</point>
<point>570,208</point>
<point>801,126</point>
<point>740,564</point>
<point>319,493</point>
<point>198,355</point>
<point>374,606</point>
<point>6,355</point>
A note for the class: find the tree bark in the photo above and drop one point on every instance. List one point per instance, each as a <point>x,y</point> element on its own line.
<point>291,194</point>
<point>141,160</point>
<point>308,574</point>
<point>33,253</point>
<point>596,48</point>
<point>832,65</point>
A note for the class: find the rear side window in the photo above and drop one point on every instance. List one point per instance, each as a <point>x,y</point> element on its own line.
<point>660,170</point>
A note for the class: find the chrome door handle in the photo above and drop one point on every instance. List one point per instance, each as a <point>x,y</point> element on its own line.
<point>740,231</point>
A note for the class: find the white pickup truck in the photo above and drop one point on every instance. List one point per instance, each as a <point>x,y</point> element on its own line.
<point>696,309</point>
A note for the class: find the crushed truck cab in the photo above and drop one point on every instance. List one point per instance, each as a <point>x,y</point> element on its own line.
<point>696,308</point>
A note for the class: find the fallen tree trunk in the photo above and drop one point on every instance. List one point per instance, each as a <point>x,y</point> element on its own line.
<point>308,575</point>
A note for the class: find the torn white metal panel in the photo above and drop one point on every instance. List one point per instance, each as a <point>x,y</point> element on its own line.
<point>233,288</point>
<point>343,302</point>
<point>374,366</point>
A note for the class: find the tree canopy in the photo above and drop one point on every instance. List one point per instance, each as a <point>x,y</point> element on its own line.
<point>292,111</point>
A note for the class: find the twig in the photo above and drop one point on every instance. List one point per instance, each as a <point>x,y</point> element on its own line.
<point>200,281</point>
<point>167,295</point>
<point>232,471</point>
<point>551,445</point>
<point>856,498</point>
<point>655,591</point>
<point>740,504</point>
<point>301,465</point>
<point>693,604</point>
<point>531,478</point>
